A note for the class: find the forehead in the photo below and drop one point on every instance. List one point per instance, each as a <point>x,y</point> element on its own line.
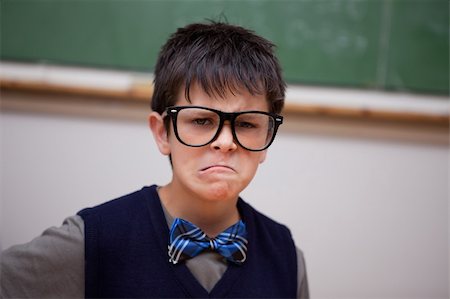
<point>232,101</point>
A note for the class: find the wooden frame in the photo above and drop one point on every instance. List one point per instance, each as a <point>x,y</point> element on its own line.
<point>358,105</point>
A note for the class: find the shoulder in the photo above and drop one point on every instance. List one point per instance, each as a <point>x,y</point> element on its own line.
<point>57,248</point>
<point>265,228</point>
<point>125,204</point>
<point>302,278</point>
<point>261,219</point>
<point>109,224</point>
<point>112,221</point>
<point>271,246</point>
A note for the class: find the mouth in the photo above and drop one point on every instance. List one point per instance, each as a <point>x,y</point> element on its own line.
<point>218,167</point>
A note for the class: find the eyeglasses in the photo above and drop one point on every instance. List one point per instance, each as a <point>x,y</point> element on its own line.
<point>198,126</point>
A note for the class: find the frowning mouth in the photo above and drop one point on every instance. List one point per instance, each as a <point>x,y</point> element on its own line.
<point>217,168</point>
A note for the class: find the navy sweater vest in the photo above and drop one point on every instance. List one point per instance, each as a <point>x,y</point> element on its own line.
<point>126,255</point>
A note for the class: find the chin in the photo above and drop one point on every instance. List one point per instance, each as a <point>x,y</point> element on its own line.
<point>220,191</point>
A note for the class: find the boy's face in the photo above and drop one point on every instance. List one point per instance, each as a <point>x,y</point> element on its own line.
<point>219,170</point>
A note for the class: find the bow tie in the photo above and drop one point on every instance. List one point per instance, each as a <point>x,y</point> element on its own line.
<point>187,241</point>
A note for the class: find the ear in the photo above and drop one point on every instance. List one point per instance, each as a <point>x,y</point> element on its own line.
<point>156,124</point>
<point>262,158</point>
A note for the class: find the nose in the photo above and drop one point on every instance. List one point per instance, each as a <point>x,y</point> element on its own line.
<point>224,141</point>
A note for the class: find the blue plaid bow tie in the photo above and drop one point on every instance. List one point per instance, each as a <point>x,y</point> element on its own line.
<point>187,241</point>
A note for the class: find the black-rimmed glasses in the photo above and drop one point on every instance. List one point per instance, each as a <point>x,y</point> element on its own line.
<point>198,126</point>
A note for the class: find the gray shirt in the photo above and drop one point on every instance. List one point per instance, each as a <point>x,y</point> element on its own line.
<point>52,265</point>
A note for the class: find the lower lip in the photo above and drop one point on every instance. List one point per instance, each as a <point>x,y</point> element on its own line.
<point>218,169</point>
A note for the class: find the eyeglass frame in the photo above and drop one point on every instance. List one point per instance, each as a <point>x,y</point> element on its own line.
<point>172,112</point>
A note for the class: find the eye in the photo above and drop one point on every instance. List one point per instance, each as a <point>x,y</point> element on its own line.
<point>245,125</point>
<point>202,121</point>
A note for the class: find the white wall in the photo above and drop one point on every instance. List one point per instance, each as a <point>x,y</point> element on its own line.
<point>370,214</point>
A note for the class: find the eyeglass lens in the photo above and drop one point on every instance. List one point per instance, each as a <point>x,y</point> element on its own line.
<point>197,127</point>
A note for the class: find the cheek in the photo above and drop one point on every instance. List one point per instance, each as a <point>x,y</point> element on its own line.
<point>184,157</point>
<point>252,163</point>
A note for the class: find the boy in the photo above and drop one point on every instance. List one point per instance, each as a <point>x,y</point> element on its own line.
<point>218,91</point>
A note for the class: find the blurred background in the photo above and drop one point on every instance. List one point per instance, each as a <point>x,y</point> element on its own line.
<point>359,169</point>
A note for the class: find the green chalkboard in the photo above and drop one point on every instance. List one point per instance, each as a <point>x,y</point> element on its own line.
<point>385,44</point>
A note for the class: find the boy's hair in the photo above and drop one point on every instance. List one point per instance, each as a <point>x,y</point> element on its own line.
<point>219,57</point>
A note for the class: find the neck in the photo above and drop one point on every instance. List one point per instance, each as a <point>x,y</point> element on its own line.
<point>211,216</point>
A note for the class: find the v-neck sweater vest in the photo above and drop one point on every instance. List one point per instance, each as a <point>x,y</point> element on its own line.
<point>126,255</point>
